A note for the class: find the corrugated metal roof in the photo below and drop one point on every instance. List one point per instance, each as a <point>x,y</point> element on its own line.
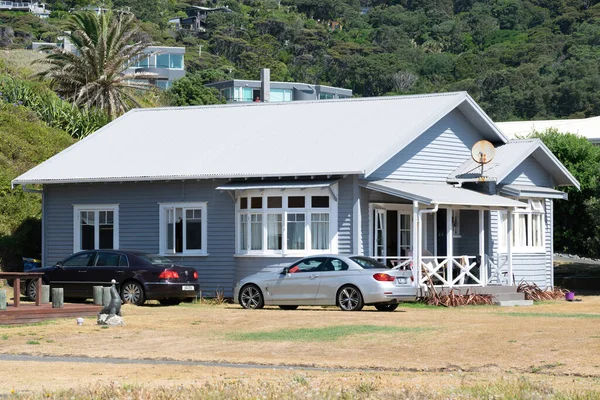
<point>251,140</point>
<point>441,193</point>
<point>532,191</point>
<point>508,157</point>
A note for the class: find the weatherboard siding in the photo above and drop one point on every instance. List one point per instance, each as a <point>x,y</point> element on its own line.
<point>346,194</point>
<point>435,154</point>
<point>529,173</point>
<point>530,267</point>
<point>549,243</point>
<point>139,222</point>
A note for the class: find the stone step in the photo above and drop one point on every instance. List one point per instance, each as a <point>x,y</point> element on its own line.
<point>513,303</point>
<point>509,296</point>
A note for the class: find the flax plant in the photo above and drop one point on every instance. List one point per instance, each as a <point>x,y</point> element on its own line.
<point>93,74</point>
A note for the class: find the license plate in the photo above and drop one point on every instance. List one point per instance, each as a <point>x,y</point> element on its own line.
<point>187,287</point>
<point>403,280</point>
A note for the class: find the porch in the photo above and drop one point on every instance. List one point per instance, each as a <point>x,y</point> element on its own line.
<point>446,230</point>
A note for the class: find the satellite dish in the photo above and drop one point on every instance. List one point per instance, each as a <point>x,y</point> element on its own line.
<point>483,152</point>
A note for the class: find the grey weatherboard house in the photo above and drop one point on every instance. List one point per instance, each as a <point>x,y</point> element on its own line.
<point>232,189</point>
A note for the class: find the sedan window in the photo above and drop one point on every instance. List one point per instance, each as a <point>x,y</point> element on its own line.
<point>308,265</point>
<point>107,259</point>
<point>80,260</point>
<point>334,264</point>
<point>123,261</point>
<point>368,263</point>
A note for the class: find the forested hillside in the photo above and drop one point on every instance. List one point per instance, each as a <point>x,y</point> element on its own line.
<point>520,59</point>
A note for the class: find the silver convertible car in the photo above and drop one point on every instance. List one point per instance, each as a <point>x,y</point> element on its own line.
<point>349,282</point>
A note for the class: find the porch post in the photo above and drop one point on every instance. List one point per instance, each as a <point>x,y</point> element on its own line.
<point>509,218</point>
<point>449,245</point>
<point>416,249</point>
<point>482,266</point>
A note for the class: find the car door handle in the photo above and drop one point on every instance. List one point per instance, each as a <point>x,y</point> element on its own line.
<point>314,276</point>
<point>82,270</point>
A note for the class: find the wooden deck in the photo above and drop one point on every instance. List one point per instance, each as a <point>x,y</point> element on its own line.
<point>28,313</point>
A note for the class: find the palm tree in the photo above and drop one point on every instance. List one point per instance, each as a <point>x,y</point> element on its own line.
<point>93,73</point>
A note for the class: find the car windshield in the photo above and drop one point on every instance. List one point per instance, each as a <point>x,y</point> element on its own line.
<point>368,263</point>
<point>155,259</point>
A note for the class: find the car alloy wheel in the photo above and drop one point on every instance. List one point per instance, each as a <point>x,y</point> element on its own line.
<point>350,299</point>
<point>32,290</point>
<point>251,297</point>
<point>133,293</point>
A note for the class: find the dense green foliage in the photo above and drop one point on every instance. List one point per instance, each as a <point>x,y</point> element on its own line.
<point>577,221</point>
<point>190,91</point>
<point>519,59</point>
<point>78,122</point>
<point>25,141</point>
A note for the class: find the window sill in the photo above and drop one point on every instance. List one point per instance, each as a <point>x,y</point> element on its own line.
<point>184,254</point>
<point>271,255</point>
<point>524,250</point>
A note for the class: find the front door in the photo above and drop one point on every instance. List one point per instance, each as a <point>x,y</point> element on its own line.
<point>392,235</point>
<point>300,285</point>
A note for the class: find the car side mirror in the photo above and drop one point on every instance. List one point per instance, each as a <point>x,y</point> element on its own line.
<point>58,265</point>
<point>285,271</point>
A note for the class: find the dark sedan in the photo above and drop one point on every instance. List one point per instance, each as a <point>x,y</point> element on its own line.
<point>140,276</point>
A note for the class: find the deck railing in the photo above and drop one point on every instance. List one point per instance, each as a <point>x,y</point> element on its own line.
<point>450,272</point>
<point>441,271</point>
<point>497,268</point>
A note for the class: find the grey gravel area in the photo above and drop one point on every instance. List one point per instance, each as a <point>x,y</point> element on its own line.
<point>575,259</point>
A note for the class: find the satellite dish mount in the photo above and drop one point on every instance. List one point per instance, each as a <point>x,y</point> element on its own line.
<point>482,153</point>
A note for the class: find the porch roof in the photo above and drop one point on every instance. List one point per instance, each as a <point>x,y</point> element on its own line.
<point>441,193</point>
<point>533,191</point>
<point>276,185</point>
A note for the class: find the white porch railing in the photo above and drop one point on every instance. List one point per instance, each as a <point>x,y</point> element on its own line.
<point>497,269</point>
<point>461,271</point>
<point>450,272</point>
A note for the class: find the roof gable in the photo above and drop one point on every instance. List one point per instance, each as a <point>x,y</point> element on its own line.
<point>508,157</point>
<point>251,140</point>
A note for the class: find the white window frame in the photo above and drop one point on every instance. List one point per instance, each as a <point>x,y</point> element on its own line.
<point>285,210</point>
<point>203,251</point>
<point>528,212</point>
<point>96,209</point>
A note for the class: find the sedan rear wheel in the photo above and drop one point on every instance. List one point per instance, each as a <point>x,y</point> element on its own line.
<point>31,290</point>
<point>132,292</point>
<point>386,307</point>
<point>251,297</point>
<point>350,299</point>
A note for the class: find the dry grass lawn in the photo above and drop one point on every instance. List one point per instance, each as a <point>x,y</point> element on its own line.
<point>556,343</point>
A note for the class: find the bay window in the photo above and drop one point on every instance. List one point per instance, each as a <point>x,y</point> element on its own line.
<point>528,228</point>
<point>182,228</point>
<point>285,222</point>
<point>95,227</point>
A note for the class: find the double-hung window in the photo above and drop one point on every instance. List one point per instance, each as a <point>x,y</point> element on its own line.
<point>285,222</point>
<point>528,228</point>
<point>183,228</point>
<point>95,227</point>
